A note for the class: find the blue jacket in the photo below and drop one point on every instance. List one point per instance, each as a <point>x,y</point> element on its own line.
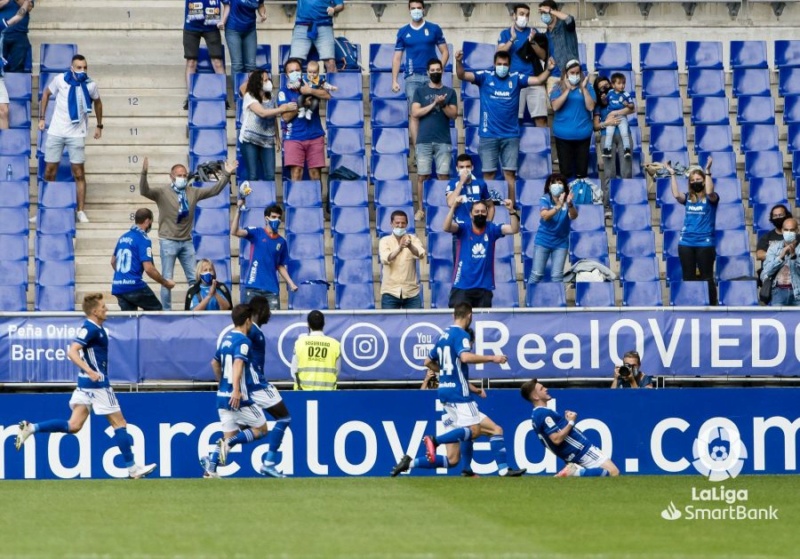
<point>774,262</point>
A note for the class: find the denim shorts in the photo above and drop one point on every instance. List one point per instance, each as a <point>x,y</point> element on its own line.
<point>301,44</point>
<point>428,153</point>
<point>504,149</point>
<point>413,83</point>
<point>76,148</point>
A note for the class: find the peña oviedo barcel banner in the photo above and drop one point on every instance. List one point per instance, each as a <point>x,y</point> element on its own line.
<point>365,432</point>
<point>392,345</point>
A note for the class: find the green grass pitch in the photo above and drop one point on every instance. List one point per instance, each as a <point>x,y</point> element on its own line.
<point>408,517</point>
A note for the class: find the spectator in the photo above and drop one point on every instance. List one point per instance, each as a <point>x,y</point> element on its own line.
<point>75,95</point>
<point>629,375</point>
<point>303,139</point>
<point>529,53</point>
<point>777,216</point>
<point>176,207</point>
<point>604,118</point>
<point>239,22</point>
<point>202,20</point>
<point>562,38</point>
<point>207,294</point>
<point>316,359</point>
<point>782,269</point>
<point>471,190</point>
<point>617,100</point>
<point>133,257</point>
<point>267,258</point>
<point>573,103</point>
<point>697,245</point>
<point>434,105</point>
<point>7,20</point>
<point>308,103</point>
<point>552,237</point>
<point>473,277</point>
<point>419,40</point>
<point>499,131</point>
<point>314,24</point>
<point>400,253</point>
<point>259,135</point>
<point>16,47</point>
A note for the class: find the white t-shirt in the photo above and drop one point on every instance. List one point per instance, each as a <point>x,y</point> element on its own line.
<point>61,125</point>
<point>255,129</point>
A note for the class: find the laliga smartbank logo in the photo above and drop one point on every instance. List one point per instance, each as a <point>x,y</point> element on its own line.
<point>719,455</point>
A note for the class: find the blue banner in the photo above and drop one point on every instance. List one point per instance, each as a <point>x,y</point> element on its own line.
<point>392,346</point>
<point>355,433</point>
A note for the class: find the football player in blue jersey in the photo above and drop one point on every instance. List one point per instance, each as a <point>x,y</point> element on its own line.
<point>451,357</point>
<point>231,365</point>
<point>558,433</point>
<point>89,352</point>
<point>266,396</point>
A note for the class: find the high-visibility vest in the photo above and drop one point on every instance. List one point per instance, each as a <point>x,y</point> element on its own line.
<point>316,363</point>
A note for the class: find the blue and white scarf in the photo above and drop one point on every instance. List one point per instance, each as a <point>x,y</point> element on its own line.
<point>183,203</point>
<point>72,99</point>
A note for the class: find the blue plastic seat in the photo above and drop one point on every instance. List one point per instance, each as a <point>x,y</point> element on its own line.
<point>14,272</point>
<point>309,297</point>
<point>16,194</point>
<point>346,219</point>
<point>389,167</point>
<point>347,113</point>
<point>390,113</point>
<point>19,86</point>
<point>54,298</point>
<point>789,81</point>
<point>705,82</point>
<point>768,190</point>
<point>612,56</point>
<point>667,138</point>
<point>440,294</point>
<point>534,139</point>
<point>748,54</point>
<point>664,195</point>
<point>672,216</point>
<point>755,110</point>
<point>358,270</point>
<point>304,247</point>
<point>434,217</point>
<point>207,141</point>
<point>304,220</point>
<point>730,216</point>
<point>791,109</point>
<point>207,114</point>
<point>704,54</point>
<point>688,294</point>
<point>734,267</point>
<point>349,246</point>
<point>283,56</point>
<point>380,58</point>
<point>57,195</point>
<point>302,194</point>
<point>733,242</point>
<point>15,247</point>
<point>19,114</point>
<point>591,217</point>
<point>710,110</point>
<point>55,272</point>
<point>724,162</point>
<point>641,294</point>
<point>357,296</point>
<point>254,217</point>
<point>530,191</point>
<point>434,192</point>
<point>264,57</point>
<point>761,214</point>
<point>307,269</point>
<point>793,137</point>
<point>44,82</point>
<point>348,193</point>
<point>390,141</point>
<point>738,293</point>
<point>212,221</point>
<point>594,294</point>
<point>469,90</point>
<point>394,193</point>
<point>263,194</point>
<point>348,84</point>
<point>204,64</point>
<point>713,137</point>
<point>56,221</point>
<point>729,189</point>
<point>213,247</point>
<point>759,137</point>
<point>354,162</point>
<point>681,157</point>
<point>658,56</point>
<point>440,246</point>
<point>636,244</point>
<point>638,268</point>
<point>787,53</point>
<point>56,57</point>
<point>478,56</point>
<point>383,219</point>
<point>663,110</point>
<point>546,294</point>
<point>15,142</point>
<point>751,81</point>
<point>207,87</point>
<point>472,142</point>
<point>761,164</point>
<point>588,244</point>
<point>534,165</point>
<point>380,86</point>
<point>506,296</point>
<point>14,221</point>
<point>673,269</point>
<point>504,270</point>
<point>441,269</point>
<point>632,217</point>
<point>13,298</point>
<point>660,83</point>
<point>472,112</point>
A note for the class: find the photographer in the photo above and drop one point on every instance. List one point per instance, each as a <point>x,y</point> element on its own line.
<point>629,374</point>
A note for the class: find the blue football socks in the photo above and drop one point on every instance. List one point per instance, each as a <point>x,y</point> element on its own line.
<point>124,442</point>
<point>455,436</point>
<point>466,455</point>
<point>52,426</point>
<point>498,446</point>
<point>275,438</point>
<point>441,462</point>
<point>593,472</point>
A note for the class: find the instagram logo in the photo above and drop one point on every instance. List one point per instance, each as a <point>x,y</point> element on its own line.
<point>365,346</point>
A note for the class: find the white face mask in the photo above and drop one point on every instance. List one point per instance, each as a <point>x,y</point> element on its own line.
<point>522,22</point>
<point>399,231</point>
<point>416,14</point>
<point>574,79</point>
<point>295,76</point>
<point>180,182</point>
<point>267,86</point>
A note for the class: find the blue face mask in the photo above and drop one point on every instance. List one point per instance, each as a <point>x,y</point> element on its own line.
<point>789,237</point>
<point>80,76</point>
<point>274,224</point>
<point>501,71</point>
<point>207,278</point>
<point>547,19</point>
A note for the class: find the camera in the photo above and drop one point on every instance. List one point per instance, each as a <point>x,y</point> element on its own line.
<point>625,371</point>
<point>205,171</point>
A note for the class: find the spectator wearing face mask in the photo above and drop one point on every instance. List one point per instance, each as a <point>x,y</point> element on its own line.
<point>782,267</point>
<point>562,38</point>
<point>573,101</point>
<point>207,294</point>
<point>777,216</point>
<point>552,237</point>
<point>697,246</point>
<point>177,202</point>
<point>400,253</point>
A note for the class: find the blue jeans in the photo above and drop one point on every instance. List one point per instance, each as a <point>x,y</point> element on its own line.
<point>783,298</point>
<point>171,251</point>
<point>272,298</point>
<point>392,302</point>
<point>624,132</point>
<point>260,161</point>
<point>242,46</point>
<point>540,256</point>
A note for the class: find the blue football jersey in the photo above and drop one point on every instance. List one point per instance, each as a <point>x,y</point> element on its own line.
<point>93,340</point>
<point>546,422</point>
<point>499,103</point>
<point>258,353</point>
<point>132,251</point>
<point>233,346</point>
<point>420,46</point>
<point>453,374</point>
<point>267,253</point>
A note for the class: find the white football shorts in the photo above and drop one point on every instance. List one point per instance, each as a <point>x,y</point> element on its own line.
<point>251,416</point>
<point>461,414</point>
<point>102,401</point>
<point>266,398</point>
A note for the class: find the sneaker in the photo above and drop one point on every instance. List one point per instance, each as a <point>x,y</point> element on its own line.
<point>515,472</point>
<point>430,448</point>
<point>607,153</point>
<point>82,217</point>
<point>627,153</point>
<point>570,470</point>
<point>186,104</point>
<point>137,472</point>
<point>270,471</point>
<point>402,465</point>
<point>210,475</point>
<point>420,215</point>
<point>222,447</point>
<point>25,431</point>
<point>468,473</point>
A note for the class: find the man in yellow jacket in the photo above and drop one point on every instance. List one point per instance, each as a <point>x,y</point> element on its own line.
<point>316,360</point>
